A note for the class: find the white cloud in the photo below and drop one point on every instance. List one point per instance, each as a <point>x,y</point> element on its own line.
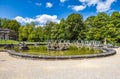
<point>83,0</point>
<point>101,6</point>
<point>62,1</point>
<point>38,4</point>
<point>89,2</point>
<point>19,19</point>
<point>104,6</point>
<point>44,18</point>
<point>77,7</point>
<point>24,20</point>
<point>39,19</point>
<point>49,5</point>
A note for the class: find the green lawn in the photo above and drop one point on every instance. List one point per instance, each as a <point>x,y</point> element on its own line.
<point>17,42</point>
<point>9,42</point>
<point>35,42</point>
<point>2,48</point>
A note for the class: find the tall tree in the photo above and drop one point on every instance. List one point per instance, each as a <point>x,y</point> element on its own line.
<point>74,26</point>
<point>59,30</point>
<point>48,30</point>
<point>98,26</point>
<point>114,27</point>
<point>13,25</point>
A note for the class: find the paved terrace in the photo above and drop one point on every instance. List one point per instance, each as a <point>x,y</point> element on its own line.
<point>96,68</point>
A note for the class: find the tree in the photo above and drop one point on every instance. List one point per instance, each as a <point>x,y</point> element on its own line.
<point>74,26</point>
<point>0,22</point>
<point>25,31</point>
<point>13,25</point>
<point>89,22</point>
<point>32,36</point>
<point>59,30</point>
<point>40,34</point>
<point>48,30</point>
<point>10,24</point>
<point>114,27</point>
<point>97,26</point>
<point>115,19</point>
<point>20,33</point>
<point>4,22</point>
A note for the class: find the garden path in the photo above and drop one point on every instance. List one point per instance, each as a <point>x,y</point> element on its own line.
<point>96,68</point>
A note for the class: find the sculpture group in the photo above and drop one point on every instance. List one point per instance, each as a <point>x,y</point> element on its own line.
<point>57,45</point>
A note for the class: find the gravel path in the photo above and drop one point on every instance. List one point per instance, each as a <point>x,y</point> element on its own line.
<point>96,68</point>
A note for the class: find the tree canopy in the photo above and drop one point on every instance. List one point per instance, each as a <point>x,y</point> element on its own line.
<point>99,27</point>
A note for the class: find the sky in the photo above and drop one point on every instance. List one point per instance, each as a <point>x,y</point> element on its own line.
<point>41,11</point>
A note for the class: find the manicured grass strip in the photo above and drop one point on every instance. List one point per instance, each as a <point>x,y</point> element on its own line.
<point>9,42</point>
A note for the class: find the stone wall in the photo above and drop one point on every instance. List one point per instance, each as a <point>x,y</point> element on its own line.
<point>107,52</point>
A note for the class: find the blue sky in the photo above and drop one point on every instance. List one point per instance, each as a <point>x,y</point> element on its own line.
<point>41,11</point>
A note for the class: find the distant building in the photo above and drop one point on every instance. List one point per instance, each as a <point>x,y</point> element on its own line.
<point>7,34</point>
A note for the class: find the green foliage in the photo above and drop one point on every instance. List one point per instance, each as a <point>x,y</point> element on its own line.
<point>99,27</point>
<point>75,26</point>
<point>104,26</point>
<point>71,29</point>
<point>48,28</point>
<point>10,24</point>
<point>59,30</point>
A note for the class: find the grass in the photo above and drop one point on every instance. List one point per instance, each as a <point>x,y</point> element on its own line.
<point>42,43</point>
<point>42,50</point>
<point>9,42</point>
<point>17,42</point>
<point>1,48</point>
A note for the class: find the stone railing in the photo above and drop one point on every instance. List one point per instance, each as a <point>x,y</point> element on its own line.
<point>106,52</point>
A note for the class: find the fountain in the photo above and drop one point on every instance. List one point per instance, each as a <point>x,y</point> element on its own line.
<point>57,45</point>
<point>8,46</point>
<point>23,46</point>
<point>55,50</point>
